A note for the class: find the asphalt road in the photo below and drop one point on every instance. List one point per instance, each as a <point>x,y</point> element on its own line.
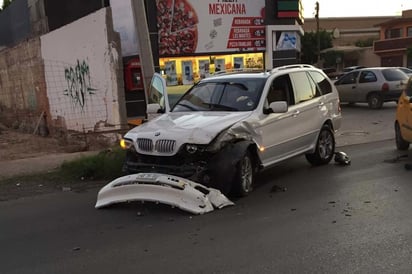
<point>330,219</point>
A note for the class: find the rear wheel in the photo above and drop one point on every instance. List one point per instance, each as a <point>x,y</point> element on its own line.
<point>401,144</point>
<point>375,101</point>
<point>325,148</point>
<point>244,176</point>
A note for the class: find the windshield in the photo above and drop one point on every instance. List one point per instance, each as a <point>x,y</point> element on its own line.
<point>222,95</point>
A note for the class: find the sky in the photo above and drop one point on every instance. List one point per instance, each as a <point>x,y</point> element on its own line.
<point>355,8</point>
<point>351,8</point>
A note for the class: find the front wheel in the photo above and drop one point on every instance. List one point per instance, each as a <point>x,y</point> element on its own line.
<point>401,144</point>
<point>325,148</point>
<point>244,176</point>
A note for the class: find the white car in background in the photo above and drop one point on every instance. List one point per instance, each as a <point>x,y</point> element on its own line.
<point>228,127</point>
<point>371,85</point>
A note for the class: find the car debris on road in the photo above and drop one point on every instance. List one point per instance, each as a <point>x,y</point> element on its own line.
<point>162,188</point>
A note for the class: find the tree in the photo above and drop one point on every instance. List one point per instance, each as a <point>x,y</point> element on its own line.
<point>365,42</point>
<point>310,48</point>
<point>6,3</point>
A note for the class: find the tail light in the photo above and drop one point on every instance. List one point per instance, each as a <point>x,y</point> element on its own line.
<point>385,87</point>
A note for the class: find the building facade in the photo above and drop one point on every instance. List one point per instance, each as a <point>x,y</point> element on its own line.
<point>395,44</point>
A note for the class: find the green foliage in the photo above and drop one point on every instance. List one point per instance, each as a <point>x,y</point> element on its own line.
<point>330,58</point>
<point>104,165</point>
<point>365,42</point>
<point>310,48</point>
<point>6,3</point>
<point>409,52</point>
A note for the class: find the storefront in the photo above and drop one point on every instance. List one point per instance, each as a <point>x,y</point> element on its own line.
<point>190,69</point>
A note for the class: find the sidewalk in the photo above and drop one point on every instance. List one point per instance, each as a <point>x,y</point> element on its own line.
<point>45,163</point>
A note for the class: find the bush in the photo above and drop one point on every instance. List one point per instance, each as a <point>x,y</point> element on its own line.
<point>105,165</point>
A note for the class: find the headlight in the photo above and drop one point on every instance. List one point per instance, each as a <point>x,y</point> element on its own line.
<point>220,141</point>
<point>126,143</point>
<point>191,148</point>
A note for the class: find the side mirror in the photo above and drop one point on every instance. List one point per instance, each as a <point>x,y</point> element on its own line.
<point>279,106</point>
<point>153,108</point>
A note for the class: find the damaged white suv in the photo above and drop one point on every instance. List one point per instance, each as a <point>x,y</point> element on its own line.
<point>227,127</point>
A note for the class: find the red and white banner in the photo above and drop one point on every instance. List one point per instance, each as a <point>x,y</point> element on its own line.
<point>204,26</point>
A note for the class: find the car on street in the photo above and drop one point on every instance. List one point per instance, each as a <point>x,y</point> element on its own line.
<point>371,85</point>
<point>403,122</point>
<point>229,126</point>
<point>347,69</point>
<point>408,71</point>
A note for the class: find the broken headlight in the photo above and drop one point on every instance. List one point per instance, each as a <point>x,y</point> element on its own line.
<point>126,143</point>
<point>193,148</point>
<point>220,141</point>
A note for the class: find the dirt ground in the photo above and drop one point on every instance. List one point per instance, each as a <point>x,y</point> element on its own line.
<point>17,149</point>
<point>18,145</point>
<point>15,144</point>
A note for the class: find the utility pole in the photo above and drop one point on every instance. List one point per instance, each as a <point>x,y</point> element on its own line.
<point>317,31</point>
<point>143,38</point>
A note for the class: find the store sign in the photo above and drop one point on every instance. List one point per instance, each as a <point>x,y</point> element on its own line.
<point>204,26</point>
<point>288,40</point>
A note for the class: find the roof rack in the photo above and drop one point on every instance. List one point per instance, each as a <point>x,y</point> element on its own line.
<point>291,67</point>
<point>237,70</point>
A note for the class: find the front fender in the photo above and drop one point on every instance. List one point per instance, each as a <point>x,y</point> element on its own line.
<point>223,164</point>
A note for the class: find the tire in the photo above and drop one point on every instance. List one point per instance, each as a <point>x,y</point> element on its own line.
<point>244,176</point>
<point>325,148</point>
<point>375,101</point>
<point>401,144</point>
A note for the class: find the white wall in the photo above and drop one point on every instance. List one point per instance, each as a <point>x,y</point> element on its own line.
<point>81,70</point>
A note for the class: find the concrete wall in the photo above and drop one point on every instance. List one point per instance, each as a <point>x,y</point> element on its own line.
<point>83,72</point>
<point>22,85</point>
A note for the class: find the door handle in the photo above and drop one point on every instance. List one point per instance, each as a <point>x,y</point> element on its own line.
<point>353,87</point>
<point>296,113</point>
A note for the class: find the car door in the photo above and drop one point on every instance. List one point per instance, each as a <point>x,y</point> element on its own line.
<point>368,82</point>
<point>157,97</point>
<point>288,134</point>
<point>347,87</point>
<point>310,108</point>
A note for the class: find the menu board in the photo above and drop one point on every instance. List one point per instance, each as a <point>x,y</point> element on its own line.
<point>203,26</point>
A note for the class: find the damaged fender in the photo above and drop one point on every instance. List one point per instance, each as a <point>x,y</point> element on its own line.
<point>163,188</point>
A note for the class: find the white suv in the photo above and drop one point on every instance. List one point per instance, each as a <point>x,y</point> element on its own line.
<point>227,127</point>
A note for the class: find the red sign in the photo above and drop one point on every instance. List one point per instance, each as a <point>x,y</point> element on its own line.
<point>247,32</point>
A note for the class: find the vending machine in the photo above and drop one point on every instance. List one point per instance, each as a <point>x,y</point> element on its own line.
<point>134,90</point>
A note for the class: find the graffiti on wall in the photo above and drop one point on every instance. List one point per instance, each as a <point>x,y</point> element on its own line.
<point>78,83</point>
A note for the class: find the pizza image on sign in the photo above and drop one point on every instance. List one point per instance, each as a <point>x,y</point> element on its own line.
<point>177,24</point>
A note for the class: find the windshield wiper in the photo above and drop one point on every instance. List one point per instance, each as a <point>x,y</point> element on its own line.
<point>219,106</point>
<point>187,106</point>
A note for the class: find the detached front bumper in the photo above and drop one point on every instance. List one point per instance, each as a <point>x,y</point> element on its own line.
<point>162,188</point>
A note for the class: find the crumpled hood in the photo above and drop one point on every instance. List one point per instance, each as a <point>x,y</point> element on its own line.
<point>187,127</point>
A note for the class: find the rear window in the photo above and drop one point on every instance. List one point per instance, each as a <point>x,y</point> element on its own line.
<point>394,75</point>
<point>322,82</point>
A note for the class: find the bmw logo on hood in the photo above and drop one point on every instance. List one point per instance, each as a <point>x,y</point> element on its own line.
<point>157,134</point>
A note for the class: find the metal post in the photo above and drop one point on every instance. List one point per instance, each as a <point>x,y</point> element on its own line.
<point>143,38</point>
<point>317,32</point>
